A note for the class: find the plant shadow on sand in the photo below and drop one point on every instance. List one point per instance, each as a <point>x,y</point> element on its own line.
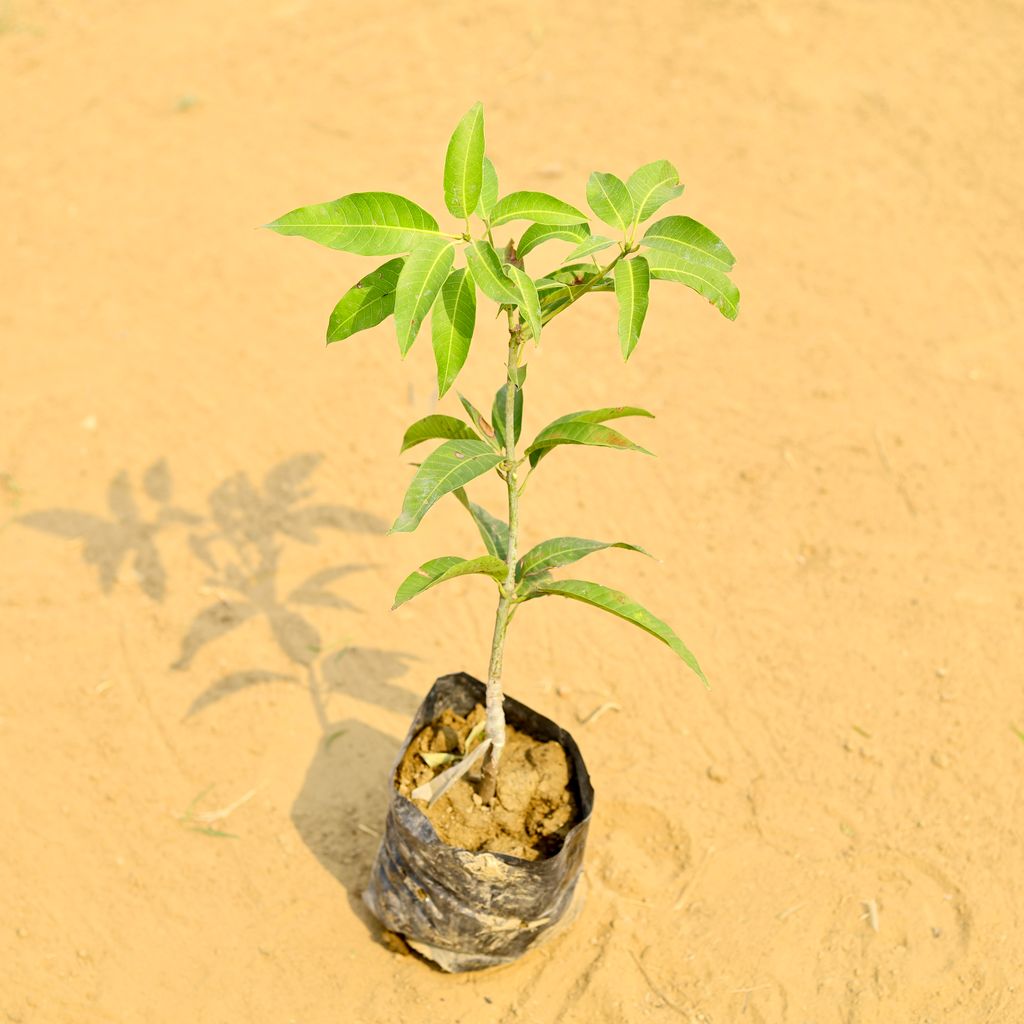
<point>240,539</point>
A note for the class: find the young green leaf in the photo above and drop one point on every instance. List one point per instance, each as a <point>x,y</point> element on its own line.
<point>551,554</point>
<point>529,300</point>
<point>489,190</point>
<point>575,274</point>
<point>579,432</point>
<point>651,187</point>
<point>536,234</point>
<point>615,412</point>
<point>610,199</point>
<point>451,327</point>
<point>439,570</point>
<point>366,303</point>
<point>632,289</point>
<point>493,531</point>
<point>689,240</point>
<point>424,273</point>
<point>367,223</point>
<point>590,416</point>
<point>498,413</point>
<point>519,375</point>
<point>464,164</point>
<point>478,420</point>
<point>619,604</point>
<point>431,427</point>
<point>706,281</point>
<point>591,245</point>
<point>536,206</point>
<point>487,271</point>
<point>453,464</point>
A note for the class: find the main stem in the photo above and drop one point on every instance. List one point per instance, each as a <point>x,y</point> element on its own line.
<point>506,602</point>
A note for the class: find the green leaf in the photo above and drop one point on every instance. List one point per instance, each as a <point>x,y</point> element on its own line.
<point>439,570</point>
<point>706,281</point>
<point>366,303</point>
<point>535,234</point>
<point>493,531</point>
<point>519,375</point>
<point>498,413</point>
<point>632,289</point>
<point>478,420</point>
<point>576,274</point>
<point>596,243</point>
<point>536,206</point>
<point>489,191</point>
<point>689,240</point>
<point>464,164</point>
<point>453,464</point>
<point>651,187</point>
<point>487,271</point>
<point>424,273</point>
<point>626,608</point>
<point>579,432</point>
<point>590,416</point>
<point>367,223</point>
<point>451,327</point>
<point>435,426</point>
<point>551,554</point>
<point>529,300</point>
<point>610,199</point>
<point>614,412</point>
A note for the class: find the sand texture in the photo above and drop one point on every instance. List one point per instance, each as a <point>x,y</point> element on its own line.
<point>202,688</point>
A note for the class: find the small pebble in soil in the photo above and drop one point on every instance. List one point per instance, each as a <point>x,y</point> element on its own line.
<point>715,774</point>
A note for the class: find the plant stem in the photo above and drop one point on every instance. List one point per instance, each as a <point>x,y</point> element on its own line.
<point>579,291</point>
<point>506,602</point>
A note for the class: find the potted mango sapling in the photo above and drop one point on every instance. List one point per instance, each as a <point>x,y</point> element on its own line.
<point>490,801</point>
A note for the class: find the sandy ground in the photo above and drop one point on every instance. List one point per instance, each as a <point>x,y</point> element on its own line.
<point>833,832</point>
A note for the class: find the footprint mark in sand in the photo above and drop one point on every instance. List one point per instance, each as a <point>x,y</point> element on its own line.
<point>650,853</point>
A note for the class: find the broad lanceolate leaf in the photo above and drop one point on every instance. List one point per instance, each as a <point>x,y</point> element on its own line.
<point>595,243</point>
<point>619,604</point>
<point>366,303</point>
<point>610,199</point>
<point>489,190</point>
<point>632,289</point>
<point>588,416</point>
<point>651,186</point>
<point>535,234</point>
<point>579,432</point>
<point>498,413</point>
<point>431,427</point>
<point>464,164</point>
<point>536,206</point>
<point>529,300</point>
<point>453,464</point>
<point>451,324</point>
<point>438,570</point>
<point>487,271</point>
<point>493,531</point>
<point>422,277</point>
<point>367,223</point>
<point>689,240</point>
<point>551,554</point>
<point>478,419</point>
<point>706,281</point>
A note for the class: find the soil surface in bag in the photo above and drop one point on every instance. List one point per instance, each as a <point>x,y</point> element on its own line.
<point>534,806</point>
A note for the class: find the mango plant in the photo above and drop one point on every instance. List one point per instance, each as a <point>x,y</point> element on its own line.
<point>421,279</point>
